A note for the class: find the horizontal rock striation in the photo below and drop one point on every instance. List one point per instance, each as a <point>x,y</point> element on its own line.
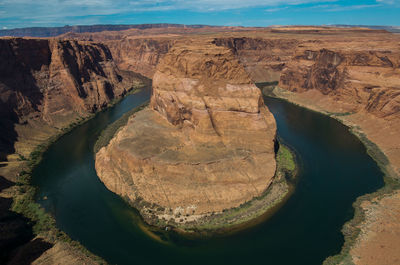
<point>140,55</point>
<point>263,58</point>
<point>205,144</point>
<point>367,79</point>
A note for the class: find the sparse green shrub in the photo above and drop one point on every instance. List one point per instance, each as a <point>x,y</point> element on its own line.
<point>285,159</point>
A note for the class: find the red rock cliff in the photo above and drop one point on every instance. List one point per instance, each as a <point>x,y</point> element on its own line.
<point>139,55</point>
<point>365,78</point>
<point>47,84</point>
<point>263,58</point>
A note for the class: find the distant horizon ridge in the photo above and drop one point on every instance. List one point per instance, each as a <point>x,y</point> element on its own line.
<point>92,28</point>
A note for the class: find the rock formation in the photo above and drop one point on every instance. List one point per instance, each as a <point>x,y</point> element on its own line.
<point>262,58</point>
<point>46,85</point>
<point>139,55</point>
<point>205,144</point>
<point>368,79</point>
<point>140,49</point>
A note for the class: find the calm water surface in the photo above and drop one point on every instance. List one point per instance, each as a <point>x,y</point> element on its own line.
<point>334,171</point>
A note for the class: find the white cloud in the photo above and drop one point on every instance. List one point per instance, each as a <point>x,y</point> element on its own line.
<point>390,2</point>
<point>328,7</point>
<point>91,7</point>
<point>276,9</point>
<point>218,5</point>
<point>349,8</point>
<point>61,12</point>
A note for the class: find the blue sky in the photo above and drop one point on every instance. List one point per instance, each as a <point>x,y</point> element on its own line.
<point>35,13</point>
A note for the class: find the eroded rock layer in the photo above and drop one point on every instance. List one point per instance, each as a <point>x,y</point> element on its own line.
<point>369,79</point>
<point>205,144</point>
<point>140,55</point>
<point>46,85</point>
<point>262,58</point>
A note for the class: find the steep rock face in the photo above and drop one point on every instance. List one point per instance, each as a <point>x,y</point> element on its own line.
<point>139,55</point>
<point>205,144</point>
<point>48,84</point>
<point>367,79</point>
<point>140,50</point>
<point>262,58</point>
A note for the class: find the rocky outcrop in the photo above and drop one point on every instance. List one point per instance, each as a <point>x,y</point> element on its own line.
<point>205,144</point>
<point>367,79</point>
<point>46,85</point>
<point>263,58</point>
<point>139,55</point>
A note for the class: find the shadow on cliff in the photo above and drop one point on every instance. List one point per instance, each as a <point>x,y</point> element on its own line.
<point>16,244</point>
<point>20,93</point>
<point>8,135</point>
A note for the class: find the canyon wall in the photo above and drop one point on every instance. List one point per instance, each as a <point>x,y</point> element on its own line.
<point>205,144</point>
<point>46,85</point>
<point>262,58</point>
<point>140,55</point>
<point>367,79</point>
<point>131,53</point>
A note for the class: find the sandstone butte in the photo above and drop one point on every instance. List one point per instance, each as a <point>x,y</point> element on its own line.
<point>205,144</point>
